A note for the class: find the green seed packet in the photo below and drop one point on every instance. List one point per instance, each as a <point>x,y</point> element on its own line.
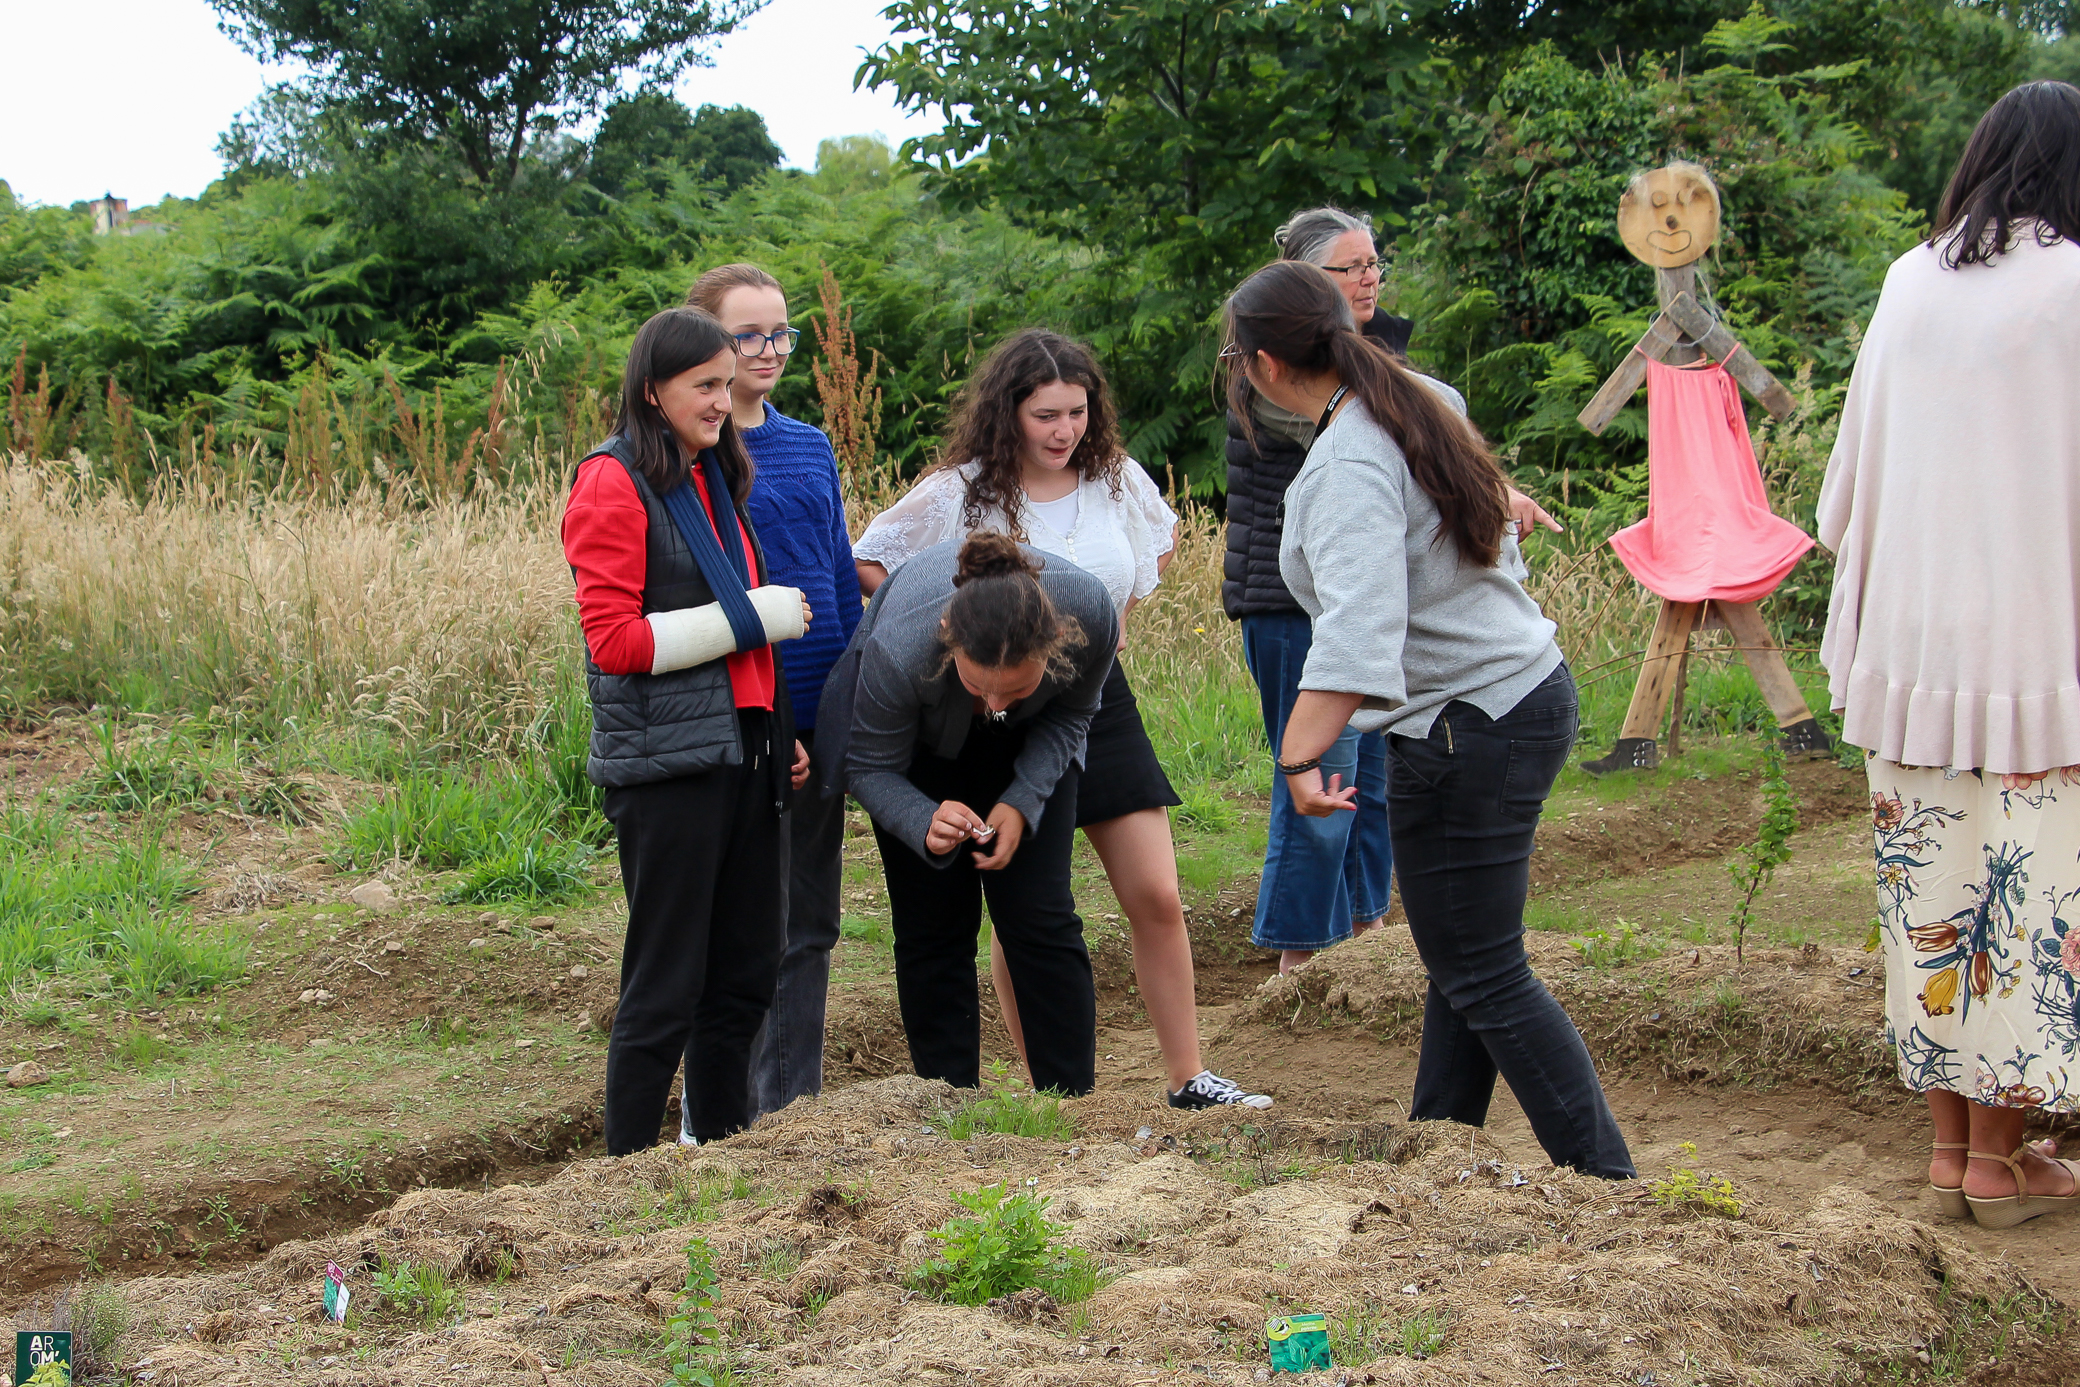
<point>1299,1343</point>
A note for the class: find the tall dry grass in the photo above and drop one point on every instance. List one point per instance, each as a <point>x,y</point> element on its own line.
<point>447,622</point>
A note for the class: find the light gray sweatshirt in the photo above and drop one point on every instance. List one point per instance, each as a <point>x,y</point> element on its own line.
<point>1399,617</point>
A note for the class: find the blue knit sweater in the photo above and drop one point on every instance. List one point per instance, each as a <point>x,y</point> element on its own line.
<point>799,512</point>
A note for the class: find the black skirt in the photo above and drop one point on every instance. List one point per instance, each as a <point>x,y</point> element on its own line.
<point>1120,772</point>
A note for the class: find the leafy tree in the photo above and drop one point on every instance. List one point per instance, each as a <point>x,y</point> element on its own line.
<point>1171,136</point>
<point>483,76</point>
<point>646,136</point>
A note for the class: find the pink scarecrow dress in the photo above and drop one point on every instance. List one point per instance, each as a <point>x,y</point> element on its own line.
<point>1709,534</point>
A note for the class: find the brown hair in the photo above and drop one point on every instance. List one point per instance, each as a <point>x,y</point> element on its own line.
<point>985,424</point>
<point>1000,615</point>
<point>673,341</point>
<point>1293,312</point>
<point>710,289</point>
<point>2022,163</point>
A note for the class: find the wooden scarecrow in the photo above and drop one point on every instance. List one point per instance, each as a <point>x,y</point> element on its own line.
<point>1709,547</point>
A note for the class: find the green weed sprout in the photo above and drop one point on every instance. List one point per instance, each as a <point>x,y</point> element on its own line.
<point>1683,1188</point>
<point>693,1335</point>
<point>1754,865</point>
<point>423,1292</point>
<point>1006,1246</point>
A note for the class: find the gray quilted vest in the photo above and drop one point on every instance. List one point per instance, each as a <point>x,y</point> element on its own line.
<point>650,727</point>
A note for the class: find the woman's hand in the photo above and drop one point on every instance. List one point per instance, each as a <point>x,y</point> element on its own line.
<point>953,823</point>
<point>1529,513</point>
<point>1010,826</point>
<point>800,773</point>
<point>1311,799</point>
<point>807,615</point>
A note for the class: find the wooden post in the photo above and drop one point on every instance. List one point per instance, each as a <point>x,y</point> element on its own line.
<point>1765,662</point>
<point>1657,674</point>
<point>1669,285</point>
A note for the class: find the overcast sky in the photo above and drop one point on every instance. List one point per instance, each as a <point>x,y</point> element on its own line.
<point>129,96</point>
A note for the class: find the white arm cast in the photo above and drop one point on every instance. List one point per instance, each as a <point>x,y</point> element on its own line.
<point>690,636</point>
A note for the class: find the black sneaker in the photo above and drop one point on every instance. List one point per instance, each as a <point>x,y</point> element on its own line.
<point>1630,754</point>
<point>1209,1090</point>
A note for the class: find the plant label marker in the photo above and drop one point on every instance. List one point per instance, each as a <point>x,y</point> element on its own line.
<point>36,1348</point>
<point>1298,1343</point>
<point>336,1293</point>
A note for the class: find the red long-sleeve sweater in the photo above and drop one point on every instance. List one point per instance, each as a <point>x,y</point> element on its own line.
<point>605,538</point>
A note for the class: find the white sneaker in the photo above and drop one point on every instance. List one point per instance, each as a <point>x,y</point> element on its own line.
<point>1209,1090</point>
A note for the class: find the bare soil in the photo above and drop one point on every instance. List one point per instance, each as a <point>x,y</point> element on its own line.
<point>266,1134</point>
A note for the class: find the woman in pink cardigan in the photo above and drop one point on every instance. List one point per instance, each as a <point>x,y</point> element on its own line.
<point>1952,503</point>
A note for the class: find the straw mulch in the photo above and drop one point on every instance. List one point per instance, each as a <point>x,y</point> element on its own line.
<point>1205,1222</point>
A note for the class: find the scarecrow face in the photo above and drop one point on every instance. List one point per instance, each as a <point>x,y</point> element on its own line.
<point>1670,216</point>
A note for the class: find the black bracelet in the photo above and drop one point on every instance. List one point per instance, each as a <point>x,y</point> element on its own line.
<point>1299,767</point>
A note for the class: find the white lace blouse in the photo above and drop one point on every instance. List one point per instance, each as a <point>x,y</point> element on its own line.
<point>1116,541</point>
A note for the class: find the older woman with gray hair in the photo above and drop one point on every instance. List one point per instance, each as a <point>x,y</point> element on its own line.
<point>1324,878</point>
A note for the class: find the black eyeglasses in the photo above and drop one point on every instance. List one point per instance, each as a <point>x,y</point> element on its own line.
<point>754,343</point>
<point>1356,267</point>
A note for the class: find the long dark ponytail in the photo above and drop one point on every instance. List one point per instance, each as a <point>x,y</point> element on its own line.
<point>1294,312</point>
<point>673,341</point>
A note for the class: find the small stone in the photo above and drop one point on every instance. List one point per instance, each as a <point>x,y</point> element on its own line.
<point>543,922</point>
<point>319,1042</point>
<point>489,917</point>
<point>374,895</point>
<point>309,994</point>
<point>27,1074</point>
<point>479,942</point>
<point>393,946</point>
<point>579,970</point>
<point>523,1045</point>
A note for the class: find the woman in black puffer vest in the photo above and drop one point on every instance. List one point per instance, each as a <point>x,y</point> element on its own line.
<point>691,733</point>
<point>1324,879</point>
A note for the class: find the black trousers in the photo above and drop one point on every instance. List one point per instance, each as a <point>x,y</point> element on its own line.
<point>1464,804</point>
<point>937,914</point>
<point>701,862</point>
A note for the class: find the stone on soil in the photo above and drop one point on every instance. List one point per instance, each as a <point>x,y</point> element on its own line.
<point>374,895</point>
<point>26,1074</point>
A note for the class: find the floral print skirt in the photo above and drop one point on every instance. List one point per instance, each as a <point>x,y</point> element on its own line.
<point>1979,906</point>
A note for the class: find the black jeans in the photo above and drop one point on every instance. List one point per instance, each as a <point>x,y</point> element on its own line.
<point>787,1056</point>
<point>937,914</point>
<point>1464,804</point>
<point>700,864</point>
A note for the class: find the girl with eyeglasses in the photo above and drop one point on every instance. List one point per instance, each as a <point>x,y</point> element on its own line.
<point>797,507</point>
<point>1033,451</point>
<point>691,729</point>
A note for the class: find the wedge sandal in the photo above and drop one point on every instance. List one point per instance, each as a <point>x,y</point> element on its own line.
<point>2022,1206</point>
<point>1951,1197</point>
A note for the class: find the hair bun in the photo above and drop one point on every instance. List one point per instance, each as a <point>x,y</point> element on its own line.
<point>992,554</point>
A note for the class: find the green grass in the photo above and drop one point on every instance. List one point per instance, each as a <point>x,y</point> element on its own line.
<point>1011,1111</point>
<point>1368,1333</point>
<point>71,905</point>
<point>512,834</point>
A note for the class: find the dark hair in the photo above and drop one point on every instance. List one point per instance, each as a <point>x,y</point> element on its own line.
<point>711,288</point>
<point>2021,163</point>
<point>673,341</point>
<point>1000,615</point>
<point>1295,313</point>
<point>985,425</point>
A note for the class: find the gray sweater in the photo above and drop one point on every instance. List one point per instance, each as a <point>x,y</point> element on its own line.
<point>1398,618</point>
<point>895,693</point>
